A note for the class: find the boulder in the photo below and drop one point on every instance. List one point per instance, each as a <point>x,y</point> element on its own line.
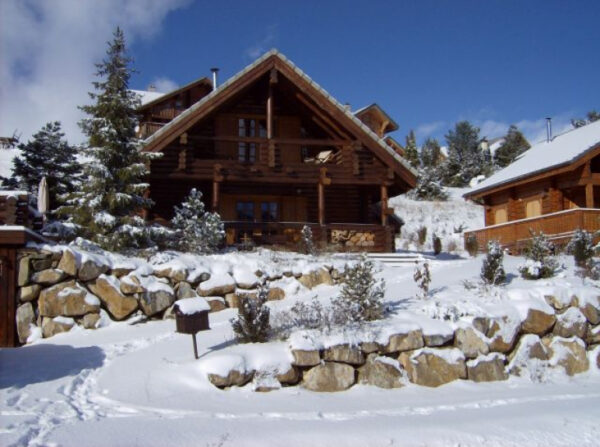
<point>569,354</point>
<point>560,302</point>
<point>470,342</point>
<point>289,377</point>
<point>108,289</point>
<point>68,263</point>
<point>306,358</point>
<point>538,322</point>
<point>217,285</point>
<point>24,271</point>
<point>406,341</point>
<point>232,300</point>
<point>275,294</point>
<point>185,290</point>
<point>571,323</point>
<point>263,382</point>
<point>131,284</point>
<point>503,332</point>
<point>122,270</point>
<point>69,299</point>
<point>592,335</point>
<point>41,264</point>
<point>435,339</point>
<point>90,269</point>
<point>156,300</point>
<point>344,354</point>
<point>369,347</point>
<point>29,293</point>
<point>25,317</point>
<point>90,321</point>
<point>245,278</point>
<point>591,310</point>
<point>488,368</point>
<point>176,274</point>
<point>329,377</point>
<point>382,372</point>
<point>216,303</point>
<point>434,367</point>
<point>315,278</point>
<point>56,325</point>
<point>170,313</point>
<point>529,352</point>
<point>233,378</point>
<point>48,277</point>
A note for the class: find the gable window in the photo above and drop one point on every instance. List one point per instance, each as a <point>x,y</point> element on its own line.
<point>269,211</point>
<point>245,211</point>
<point>252,128</point>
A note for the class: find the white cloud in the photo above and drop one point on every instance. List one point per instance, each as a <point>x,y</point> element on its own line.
<point>48,53</point>
<point>164,85</point>
<point>262,46</point>
<point>429,129</point>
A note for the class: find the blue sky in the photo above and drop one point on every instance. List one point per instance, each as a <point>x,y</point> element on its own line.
<point>428,63</point>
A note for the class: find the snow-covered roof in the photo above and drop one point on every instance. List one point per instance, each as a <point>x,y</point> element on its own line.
<point>147,96</point>
<point>561,150</point>
<point>273,52</point>
<point>393,124</point>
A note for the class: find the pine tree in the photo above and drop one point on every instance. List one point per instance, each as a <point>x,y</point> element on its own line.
<point>48,155</point>
<point>197,230</point>
<point>422,277</point>
<point>361,297</point>
<point>540,261</point>
<point>108,205</point>
<point>492,270</point>
<point>591,116</point>
<point>252,324</point>
<point>431,154</point>
<point>581,246</point>
<point>514,145</point>
<point>411,154</point>
<point>429,186</point>
<point>465,159</point>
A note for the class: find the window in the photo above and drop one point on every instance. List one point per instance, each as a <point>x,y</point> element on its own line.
<point>533,208</point>
<point>269,211</point>
<point>500,215</point>
<point>250,127</point>
<point>245,211</point>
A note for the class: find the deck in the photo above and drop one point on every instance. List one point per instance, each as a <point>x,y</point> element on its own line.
<point>559,227</point>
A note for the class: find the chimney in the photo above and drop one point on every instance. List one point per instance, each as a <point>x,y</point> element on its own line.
<point>348,107</point>
<point>548,130</point>
<point>152,88</point>
<point>214,70</point>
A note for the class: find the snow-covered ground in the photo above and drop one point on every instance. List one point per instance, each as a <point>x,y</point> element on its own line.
<point>139,384</point>
<point>446,219</point>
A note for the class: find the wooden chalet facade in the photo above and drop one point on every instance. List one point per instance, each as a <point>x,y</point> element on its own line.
<point>554,187</point>
<point>272,151</point>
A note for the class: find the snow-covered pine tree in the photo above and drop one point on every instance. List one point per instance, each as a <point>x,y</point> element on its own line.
<point>361,297</point>
<point>581,246</point>
<point>422,277</point>
<point>428,186</point>
<point>197,230</point>
<point>591,116</point>
<point>411,154</point>
<point>252,324</point>
<point>307,245</point>
<point>514,145</point>
<point>492,270</point>
<point>540,261</point>
<point>431,154</point>
<point>48,155</point>
<point>108,204</point>
<point>465,159</point>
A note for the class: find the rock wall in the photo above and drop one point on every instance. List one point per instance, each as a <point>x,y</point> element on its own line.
<point>60,289</point>
<point>560,338</point>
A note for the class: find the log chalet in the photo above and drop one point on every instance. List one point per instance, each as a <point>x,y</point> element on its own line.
<point>554,187</point>
<point>272,151</point>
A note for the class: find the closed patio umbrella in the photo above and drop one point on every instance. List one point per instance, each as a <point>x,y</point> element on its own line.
<point>43,201</point>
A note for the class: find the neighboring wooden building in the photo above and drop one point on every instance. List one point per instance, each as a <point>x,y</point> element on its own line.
<point>553,187</point>
<point>272,151</point>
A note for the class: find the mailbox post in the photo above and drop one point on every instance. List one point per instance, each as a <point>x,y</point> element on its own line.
<point>191,317</point>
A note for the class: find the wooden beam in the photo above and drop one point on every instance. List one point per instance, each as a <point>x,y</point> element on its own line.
<point>321,115</point>
<point>215,197</point>
<point>384,205</point>
<point>321,188</point>
<point>259,140</point>
<point>589,195</point>
<point>270,112</point>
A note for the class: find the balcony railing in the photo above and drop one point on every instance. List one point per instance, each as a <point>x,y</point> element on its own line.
<point>559,227</point>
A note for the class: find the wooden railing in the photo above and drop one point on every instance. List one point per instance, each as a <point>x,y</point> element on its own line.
<point>340,236</point>
<point>559,227</point>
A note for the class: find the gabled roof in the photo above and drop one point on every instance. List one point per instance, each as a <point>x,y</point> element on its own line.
<point>561,151</point>
<point>151,98</point>
<point>392,125</point>
<point>274,59</point>
<point>146,96</point>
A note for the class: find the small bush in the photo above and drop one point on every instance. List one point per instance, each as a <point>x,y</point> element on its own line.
<point>361,298</point>
<point>422,277</point>
<point>307,244</point>
<point>581,246</point>
<point>252,324</point>
<point>422,235</point>
<point>472,245</point>
<point>437,245</point>
<point>540,261</point>
<point>492,271</point>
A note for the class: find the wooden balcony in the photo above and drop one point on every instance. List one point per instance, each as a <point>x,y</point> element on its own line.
<point>559,227</point>
<point>341,236</point>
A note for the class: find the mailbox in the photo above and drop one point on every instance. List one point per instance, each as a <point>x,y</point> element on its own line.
<point>191,317</point>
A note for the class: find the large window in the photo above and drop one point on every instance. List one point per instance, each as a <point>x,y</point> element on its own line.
<point>269,211</point>
<point>533,208</point>
<point>250,127</point>
<point>245,211</point>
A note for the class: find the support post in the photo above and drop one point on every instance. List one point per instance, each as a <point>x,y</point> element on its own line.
<point>384,205</point>
<point>589,195</point>
<point>270,113</point>
<point>321,204</point>
<point>195,346</point>
<point>215,196</point>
